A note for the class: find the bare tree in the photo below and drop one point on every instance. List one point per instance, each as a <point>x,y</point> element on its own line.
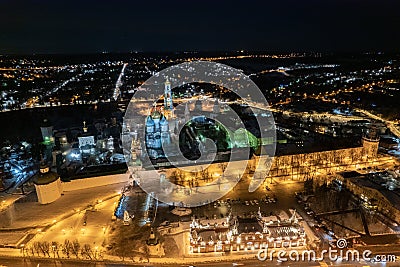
<point>146,253</point>
<point>87,252</point>
<point>31,249</point>
<point>123,251</point>
<point>75,248</point>
<point>45,248</point>
<point>67,248</point>
<point>56,248</point>
<point>36,247</point>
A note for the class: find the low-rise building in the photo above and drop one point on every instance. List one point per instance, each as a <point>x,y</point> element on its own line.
<point>378,191</point>
<point>245,234</point>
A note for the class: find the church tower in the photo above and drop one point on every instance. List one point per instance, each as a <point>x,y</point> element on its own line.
<point>168,96</point>
<point>370,147</point>
<point>47,132</point>
<point>216,109</point>
<point>165,137</point>
<point>370,144</point>
<point>187,112</point>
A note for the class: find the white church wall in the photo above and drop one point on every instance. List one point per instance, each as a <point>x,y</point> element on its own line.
<point>95,181</point>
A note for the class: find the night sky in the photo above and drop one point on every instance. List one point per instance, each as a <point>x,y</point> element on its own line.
<point>58,26</point>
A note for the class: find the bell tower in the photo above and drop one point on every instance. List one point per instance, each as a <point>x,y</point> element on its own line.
<point>370,147</point>
<point>370,144</point>
<point>168,105</point>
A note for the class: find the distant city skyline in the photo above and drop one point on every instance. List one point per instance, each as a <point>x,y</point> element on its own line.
<point>28,27</point>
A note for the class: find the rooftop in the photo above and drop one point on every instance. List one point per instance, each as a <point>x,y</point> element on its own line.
<point>45,178</point>
<point>376,183</point>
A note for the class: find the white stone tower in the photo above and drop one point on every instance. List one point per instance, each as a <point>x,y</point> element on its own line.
<point>168,105</point>
<point>187,112</point>
<point>370,144</point>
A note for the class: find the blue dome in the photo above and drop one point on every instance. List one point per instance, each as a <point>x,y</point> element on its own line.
<point>149,121</point>
<point>163,121</point>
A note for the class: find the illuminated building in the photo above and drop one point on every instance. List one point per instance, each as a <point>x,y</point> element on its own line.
<point>47,184</point>
<point>157,134</point>
<point>216,109</point>
<point>168,105</point>
<point>187,112</point>
<point>48,140</point>
<point>47,132</point>
<point>110,144</point>
<point>306,165</point>
<point>86,141</point>
<point>245,234</point>
<point>62,140</point>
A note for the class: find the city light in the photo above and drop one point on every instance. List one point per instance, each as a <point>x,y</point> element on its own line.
<point>186,171</point>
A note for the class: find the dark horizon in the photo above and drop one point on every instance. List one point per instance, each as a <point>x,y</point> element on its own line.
<point>208,52</point>
<point>72,27</point>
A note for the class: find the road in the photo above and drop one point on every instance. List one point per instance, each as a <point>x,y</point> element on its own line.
<point>118,84</point>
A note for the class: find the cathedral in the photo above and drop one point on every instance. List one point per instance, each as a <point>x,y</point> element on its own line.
<point>157,134</point>
<point>157,127</point>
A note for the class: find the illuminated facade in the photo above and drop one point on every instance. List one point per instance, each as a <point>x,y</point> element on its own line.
<point>245,234</point>
<point>304,166</point>
<point>86,141</point>
<point>168,104</point>
<point>47,132</point>
<point>157,134</point>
